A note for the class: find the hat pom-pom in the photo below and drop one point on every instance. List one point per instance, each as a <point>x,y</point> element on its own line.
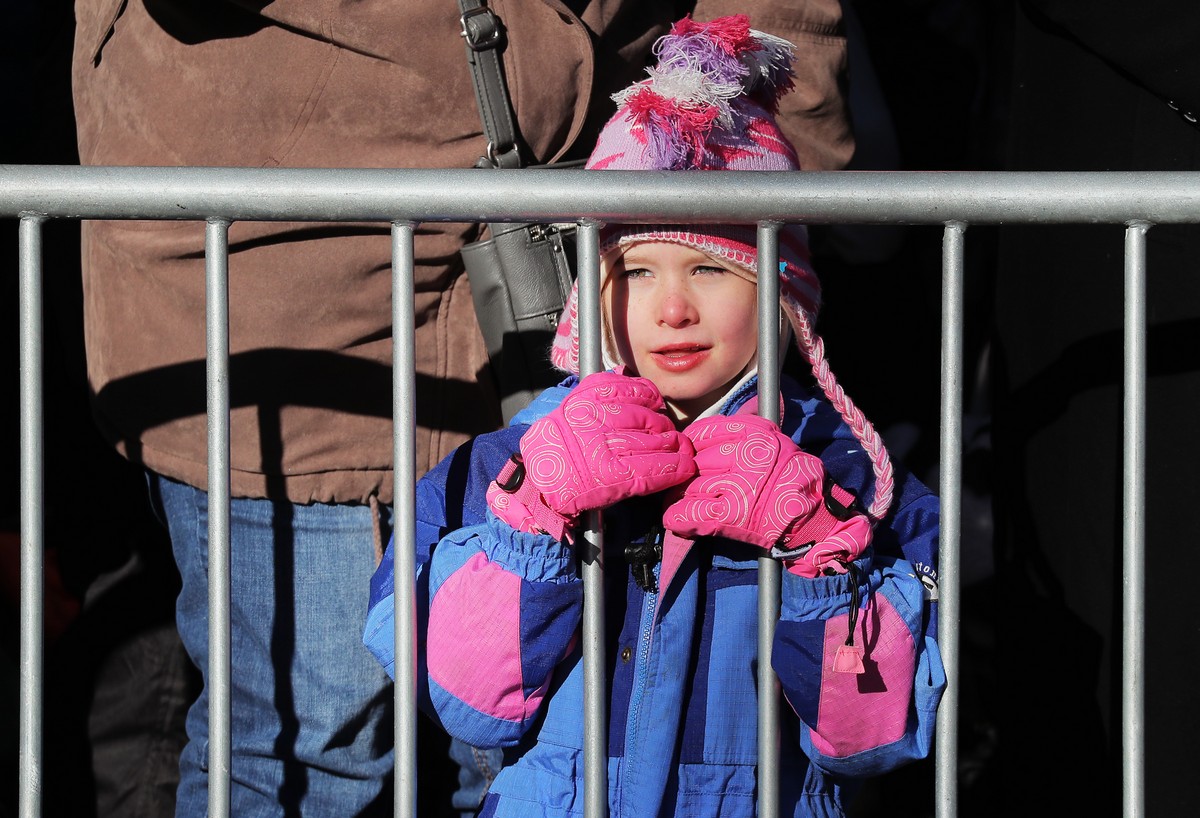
<point>672,130</point>
<point>771,74</point>
<point>702,68</point>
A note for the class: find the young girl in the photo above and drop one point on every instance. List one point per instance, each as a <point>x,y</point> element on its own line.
<point>694,488</point>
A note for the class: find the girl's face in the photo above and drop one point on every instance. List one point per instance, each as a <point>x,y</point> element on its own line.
<point>683,320</point>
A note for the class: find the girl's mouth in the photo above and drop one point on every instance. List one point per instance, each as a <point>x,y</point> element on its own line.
<point>679,357</point>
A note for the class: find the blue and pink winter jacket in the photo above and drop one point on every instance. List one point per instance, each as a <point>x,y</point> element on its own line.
<point>500,664</point>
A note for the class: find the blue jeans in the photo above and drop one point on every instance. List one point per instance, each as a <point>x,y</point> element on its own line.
<point>477,768</point>
<point>312,709</point>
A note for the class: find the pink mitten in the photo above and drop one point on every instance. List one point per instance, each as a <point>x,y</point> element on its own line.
<point>840,546</point>
<point>756,486</point>
<point>517,502</point>
<point>608,440</point>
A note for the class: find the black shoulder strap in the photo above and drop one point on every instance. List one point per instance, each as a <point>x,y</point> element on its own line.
<point>483,33</point>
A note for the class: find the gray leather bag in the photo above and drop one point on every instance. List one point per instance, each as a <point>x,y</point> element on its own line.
<point>521,274</point>
<point>520,279</point>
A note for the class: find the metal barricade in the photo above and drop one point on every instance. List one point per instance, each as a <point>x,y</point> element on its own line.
<point>404,198</point>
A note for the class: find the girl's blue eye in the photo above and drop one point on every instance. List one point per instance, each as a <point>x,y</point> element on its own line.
<point>711,270</point>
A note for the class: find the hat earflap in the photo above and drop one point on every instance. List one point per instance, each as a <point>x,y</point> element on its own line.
<point>813,349</point>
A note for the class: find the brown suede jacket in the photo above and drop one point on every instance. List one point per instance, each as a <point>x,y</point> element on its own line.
<point>341,83</point>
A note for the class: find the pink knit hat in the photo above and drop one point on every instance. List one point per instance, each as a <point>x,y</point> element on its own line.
<point>709,104</point>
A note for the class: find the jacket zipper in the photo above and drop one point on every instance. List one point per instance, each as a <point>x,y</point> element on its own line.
<point>643,662</point>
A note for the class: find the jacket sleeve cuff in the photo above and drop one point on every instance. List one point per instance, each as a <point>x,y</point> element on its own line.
<point>534,557</point>
<point>823,597</point>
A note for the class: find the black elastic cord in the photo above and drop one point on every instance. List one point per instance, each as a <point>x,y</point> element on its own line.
<point>852,570</point>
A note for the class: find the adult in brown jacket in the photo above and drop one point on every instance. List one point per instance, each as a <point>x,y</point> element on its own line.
<point>338,83</point>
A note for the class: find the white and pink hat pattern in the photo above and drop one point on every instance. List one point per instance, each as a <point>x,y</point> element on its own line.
<point>708,105</point>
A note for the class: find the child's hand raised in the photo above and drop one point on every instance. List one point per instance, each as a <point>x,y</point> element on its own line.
<point>609,439</point>
<point>757,486</point>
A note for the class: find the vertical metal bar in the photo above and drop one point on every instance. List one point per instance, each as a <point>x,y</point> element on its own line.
<point>595,711</point>
<point>1133,652</point>
<point>950,491</point>
<point>769,363</point>
<point>33,589</point>
<point>404,458</point>
<point>769,577</point>
<point>587,251</point>
<point>216,270</point>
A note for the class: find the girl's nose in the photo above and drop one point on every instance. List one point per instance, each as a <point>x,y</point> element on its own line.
<point>677,309</point>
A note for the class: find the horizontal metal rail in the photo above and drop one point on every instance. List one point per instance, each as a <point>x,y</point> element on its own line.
<point>749,197</point>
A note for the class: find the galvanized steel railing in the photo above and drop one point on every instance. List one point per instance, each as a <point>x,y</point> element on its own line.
<point>404,198</point>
